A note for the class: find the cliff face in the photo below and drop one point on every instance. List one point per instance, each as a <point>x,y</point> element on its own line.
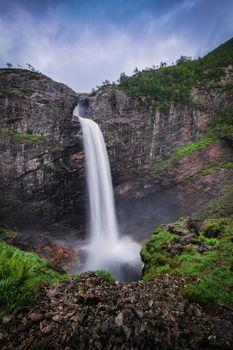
<point>40,169</point>
<point>136,134</point>
<point>165,162</point>
<point>152,187</point>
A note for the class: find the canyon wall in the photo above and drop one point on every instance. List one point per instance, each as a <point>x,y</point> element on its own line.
<point>41,179</point>
<point>141,138</point>
<point>42,165</point>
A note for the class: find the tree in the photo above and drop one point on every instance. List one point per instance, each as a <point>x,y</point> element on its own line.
<point>106,82</point>
<point>30,67</point>
<point>163,64</point>
<point>183,59</point>
<point>123,78</point>
<point>9,65</point>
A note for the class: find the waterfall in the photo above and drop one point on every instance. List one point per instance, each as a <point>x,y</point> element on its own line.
<point>106,250</point>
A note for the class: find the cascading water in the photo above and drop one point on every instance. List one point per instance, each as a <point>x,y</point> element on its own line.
<point>106,249</point>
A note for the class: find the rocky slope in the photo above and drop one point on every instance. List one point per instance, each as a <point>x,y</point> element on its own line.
<point>183,302</point>
<point>92,313</point>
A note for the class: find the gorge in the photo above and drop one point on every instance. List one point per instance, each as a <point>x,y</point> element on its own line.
<point>169,136</point>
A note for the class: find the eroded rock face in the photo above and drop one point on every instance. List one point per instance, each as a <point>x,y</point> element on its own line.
<point>137,136</point>
<point>42,164</point>
<point>40,169</point>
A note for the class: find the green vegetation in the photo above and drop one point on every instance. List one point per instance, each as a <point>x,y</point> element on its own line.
<point>25,137</point>
<point>200,249</point>
<point>106,275</point>
<point>220,129</point>
<point>6,232</point>
<point>191,147</point>
<point>161,164</point>
<point>218,208</point>
<point>167,84</point>
<point>21,275</point>
<point>211,169</point>
<point>222,126</point>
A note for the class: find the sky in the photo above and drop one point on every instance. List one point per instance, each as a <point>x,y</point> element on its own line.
<point>83,42</point>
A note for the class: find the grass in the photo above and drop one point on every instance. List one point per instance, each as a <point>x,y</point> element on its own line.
<point>192,147</point>
<point>21,275</point>
<point>25,137</point>
<point>186,150</point>
<point>209,273</point>
<point>221,129</point>
<point>220,207</point>
<point>106,275</point>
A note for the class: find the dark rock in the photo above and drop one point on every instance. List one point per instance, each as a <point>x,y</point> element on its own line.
<point>36,317</point>
<point>187,238</point>
<point>158,318</point>
<point>39,151</point>
<point>6,320</point>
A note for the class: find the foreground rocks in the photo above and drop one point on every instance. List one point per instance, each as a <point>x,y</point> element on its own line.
<point>92,313</point>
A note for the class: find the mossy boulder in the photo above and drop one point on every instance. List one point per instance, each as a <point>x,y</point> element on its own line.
<point>203,257</point>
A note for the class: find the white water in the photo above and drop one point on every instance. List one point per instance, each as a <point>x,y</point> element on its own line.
<point>106,249</point>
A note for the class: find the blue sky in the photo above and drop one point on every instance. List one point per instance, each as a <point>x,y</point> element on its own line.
<point>83,42</point>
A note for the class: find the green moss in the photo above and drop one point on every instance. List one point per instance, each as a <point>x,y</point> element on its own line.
<point>106,275</point>
<point>180,153</point>
<point>21,275</point>
<point>222,126</point>
<point>228,166</point>
<point>196,263</point>
<point>221,207</point>
<point>192,147</point>
<point>216,286</point>
<point>208,272</point>
<point>6,232</point>
<point>155,263</point>
<point>23,136</point>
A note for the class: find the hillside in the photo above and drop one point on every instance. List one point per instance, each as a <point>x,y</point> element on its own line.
<point>174,83</point>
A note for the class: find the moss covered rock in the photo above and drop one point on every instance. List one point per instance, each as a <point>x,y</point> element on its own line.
<point>200,250</point>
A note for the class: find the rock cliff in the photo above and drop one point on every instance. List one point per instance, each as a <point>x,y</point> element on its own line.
<point>40,168</point>
<point>151,184</point>
<point>162,156</point>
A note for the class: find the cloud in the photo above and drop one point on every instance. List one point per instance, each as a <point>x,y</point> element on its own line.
<point>84,51</point>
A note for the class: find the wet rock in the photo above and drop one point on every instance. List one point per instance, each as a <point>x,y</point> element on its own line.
<point>60,256</point>
<point>177,230</point>
<point>37,150</point>
<point>36,317</point>
<point>119,319</point>
<point>57,318</point>
<point>142,315</point>
<point>48,329</point>
<point>186,238</point>
<point>6,320</point>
